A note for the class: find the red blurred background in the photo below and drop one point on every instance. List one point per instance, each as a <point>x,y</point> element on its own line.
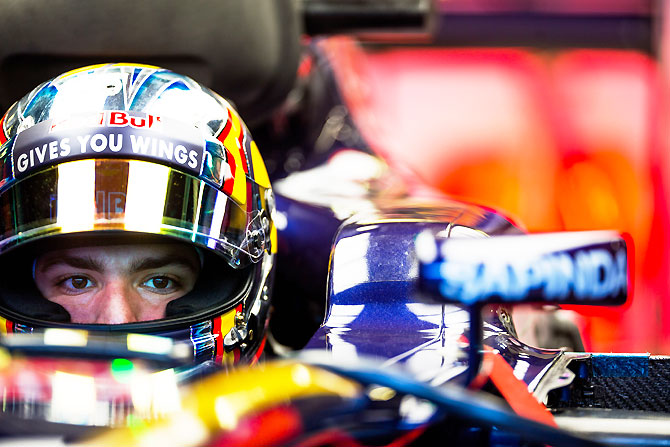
<point>559,139</point>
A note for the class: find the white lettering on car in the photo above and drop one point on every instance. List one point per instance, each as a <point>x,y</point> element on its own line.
<point>589,275</point>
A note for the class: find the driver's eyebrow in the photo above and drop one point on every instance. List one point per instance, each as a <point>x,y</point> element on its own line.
<point>80,262</point>
<point>163,261</point>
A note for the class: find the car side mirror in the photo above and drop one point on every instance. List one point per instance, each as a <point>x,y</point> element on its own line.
<point>585,267</point>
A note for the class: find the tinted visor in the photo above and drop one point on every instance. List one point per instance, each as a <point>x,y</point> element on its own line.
<point>133,196</point>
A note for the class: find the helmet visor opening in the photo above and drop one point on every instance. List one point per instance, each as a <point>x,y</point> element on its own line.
<point>216,288</point>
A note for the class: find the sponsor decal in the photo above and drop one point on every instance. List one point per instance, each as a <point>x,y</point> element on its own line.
<point>592,274</point>
<point>117,134</point>
<point>204,341</point>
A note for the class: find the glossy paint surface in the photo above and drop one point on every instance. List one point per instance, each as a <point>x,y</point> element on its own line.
<point>373,309</point>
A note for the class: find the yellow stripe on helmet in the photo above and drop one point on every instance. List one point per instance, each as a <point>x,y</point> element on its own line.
<point>260,172</point>
<point>80,70</point>
<point>129,64</point>
<point>273,239</point>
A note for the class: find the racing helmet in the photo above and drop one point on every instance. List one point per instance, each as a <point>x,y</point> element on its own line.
<point>122,153</point>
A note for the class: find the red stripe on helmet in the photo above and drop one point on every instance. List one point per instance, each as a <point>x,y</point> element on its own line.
<point>226,129</point>
<point>3,137</point>
<point>218,339</point>
<point>9,326</point>
<point>227,187</point>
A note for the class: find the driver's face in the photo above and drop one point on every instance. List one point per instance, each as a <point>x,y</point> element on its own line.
<point>119,283</point>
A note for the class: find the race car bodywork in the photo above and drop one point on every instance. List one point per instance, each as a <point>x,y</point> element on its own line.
<point>393,319</point>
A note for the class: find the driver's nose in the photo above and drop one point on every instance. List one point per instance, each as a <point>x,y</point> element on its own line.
<point>114,304</point>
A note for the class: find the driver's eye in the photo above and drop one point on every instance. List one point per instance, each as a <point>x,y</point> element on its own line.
<point>79,282</point>
<point>160,282</point>
<point>75,284</point>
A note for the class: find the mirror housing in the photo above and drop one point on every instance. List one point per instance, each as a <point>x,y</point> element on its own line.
<point>586,267</point>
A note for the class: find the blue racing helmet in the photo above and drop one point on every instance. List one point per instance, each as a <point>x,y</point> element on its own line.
<point>120,153</point>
